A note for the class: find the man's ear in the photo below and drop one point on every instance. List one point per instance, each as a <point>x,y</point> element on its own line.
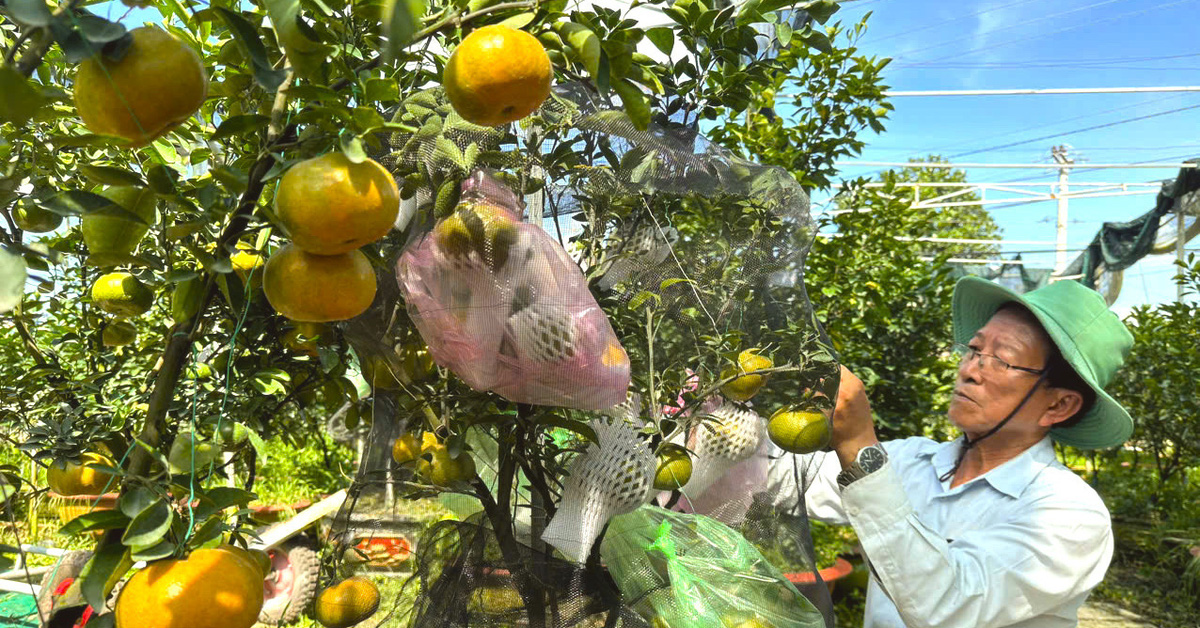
<point>1066,403</point>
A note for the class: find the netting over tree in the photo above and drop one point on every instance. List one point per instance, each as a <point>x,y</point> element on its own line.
<point>597,259</point>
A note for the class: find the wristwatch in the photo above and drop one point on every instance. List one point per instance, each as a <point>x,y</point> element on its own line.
<point>869,460</point>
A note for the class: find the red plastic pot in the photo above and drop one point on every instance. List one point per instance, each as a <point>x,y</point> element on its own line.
<point>830,574</point>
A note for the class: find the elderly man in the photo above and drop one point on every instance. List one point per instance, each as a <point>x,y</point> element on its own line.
<point>990,529</point>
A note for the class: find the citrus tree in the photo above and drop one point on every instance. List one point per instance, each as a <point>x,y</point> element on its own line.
<point>191,210</point>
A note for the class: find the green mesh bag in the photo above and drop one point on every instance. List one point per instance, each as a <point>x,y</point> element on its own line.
<point>680,570</point>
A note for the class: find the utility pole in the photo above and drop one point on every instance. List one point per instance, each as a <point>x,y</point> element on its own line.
<point>1060,154</point>
<point>1180,241</point>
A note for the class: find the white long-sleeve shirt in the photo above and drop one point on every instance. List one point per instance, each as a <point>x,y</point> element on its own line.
<point>1021,545</point>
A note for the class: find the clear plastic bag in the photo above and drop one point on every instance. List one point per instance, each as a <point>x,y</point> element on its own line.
<point>690,571</point>
<point>504,307</point>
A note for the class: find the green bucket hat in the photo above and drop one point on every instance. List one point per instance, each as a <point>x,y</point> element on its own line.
<point>1091,337</point>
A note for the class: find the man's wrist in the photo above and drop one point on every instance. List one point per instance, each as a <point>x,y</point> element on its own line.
<point>848,451</point>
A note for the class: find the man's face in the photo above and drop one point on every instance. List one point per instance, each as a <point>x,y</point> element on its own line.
<point>986,391</point>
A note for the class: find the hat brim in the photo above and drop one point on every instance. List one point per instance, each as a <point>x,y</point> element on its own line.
<point>1106,425</point>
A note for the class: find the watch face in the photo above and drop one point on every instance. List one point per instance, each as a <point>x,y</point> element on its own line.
<point>871,458</point>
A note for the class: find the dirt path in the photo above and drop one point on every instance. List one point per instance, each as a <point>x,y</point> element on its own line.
<point>1106,615</point>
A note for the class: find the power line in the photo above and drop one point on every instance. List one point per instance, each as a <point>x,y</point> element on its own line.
<point>1082,130</point>
<point>940,164</point>
<point>1042,91</point>
<point>1042,63</point>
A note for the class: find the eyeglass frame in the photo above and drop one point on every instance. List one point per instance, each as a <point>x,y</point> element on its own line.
<point>967,353</point>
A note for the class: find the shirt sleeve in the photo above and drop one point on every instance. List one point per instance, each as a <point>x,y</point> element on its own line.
<point>787,475</point>
<point>1055,549</point>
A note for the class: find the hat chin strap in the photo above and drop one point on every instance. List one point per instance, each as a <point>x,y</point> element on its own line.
<point>968,443</point>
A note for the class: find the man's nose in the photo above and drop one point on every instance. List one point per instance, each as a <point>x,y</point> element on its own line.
<point>970,368</point>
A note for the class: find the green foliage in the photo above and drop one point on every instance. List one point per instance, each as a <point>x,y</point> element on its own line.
<point>814,107</point>
<point>1157,382</point>
<point>885,301</point>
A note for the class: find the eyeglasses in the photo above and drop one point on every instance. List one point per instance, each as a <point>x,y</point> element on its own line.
<point>990,363</point>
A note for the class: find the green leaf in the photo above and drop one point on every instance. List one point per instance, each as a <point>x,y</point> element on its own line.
<point>641,297</point>
<point>520,20</point>
<point>239,125</point>
<point>149,525</point>
<point>207,532</point>
<point>95,520</point>
<point>155,551</point>
<point>817,39</point>
<point>225,496</point>
<point>29,12</point>
<point>135,501</point>
<point>110,175</point>
<point>162,179</point>
<point>98,30</point>
<point>784,33</point>
<point>101,573</point>
<point>663,38</point>
<point>19,100</point>
<point>245,33</point>
<point>352,148</point>
<point>401,20</point>
<point>821,10</point>
<point>76,202</point>
<point>382,90</point>
<point>637,106</point>
<point>12,280</point>
<point>579,427</point>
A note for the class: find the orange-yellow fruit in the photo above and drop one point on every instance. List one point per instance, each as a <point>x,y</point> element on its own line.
<point>121,294</point>
<point>346,603</point>
<point>211,588</point>
<point>305,337</point>
<point>444,470</point>
<point>408,448</point>
<point>799,431</point>
<point>255,558</point>
<point>748,385</point>
<point>674,468</point>
<point>35,219</point>
<point>82,479</point>
<point>331,205</point>
<point>118,334</point>
<point>318,288</point>
<point>158,84</point>
<point>497,75</point>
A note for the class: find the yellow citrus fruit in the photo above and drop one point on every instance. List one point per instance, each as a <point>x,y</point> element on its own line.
<point>35,218</point>
<point>346,603</point>
<point>118,334</point>
<point>121,294</point>
<point>247,264</point>
<point>407,448</point>
<point>82,479</point>
<point>158,84</point>
<point>497,75</point>
<point>485,229</point>
<point>305,337</point>
<point>798,431</point>
<point>211,588</point>
<point>674,468</point>
<point>331,205</point>
<point>443,470</point>
<point>112,239</point>
<point>748,385</point>
<point>318,288</point>
<point>255,558</point>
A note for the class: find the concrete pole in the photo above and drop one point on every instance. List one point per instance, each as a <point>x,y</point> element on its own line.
<point>1180,242</point>
<point>1060,249</point>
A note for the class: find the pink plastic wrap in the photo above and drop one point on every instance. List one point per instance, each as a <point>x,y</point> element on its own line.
<point>504,307</point>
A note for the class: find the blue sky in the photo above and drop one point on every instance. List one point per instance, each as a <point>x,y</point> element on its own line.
<point>986,44</point>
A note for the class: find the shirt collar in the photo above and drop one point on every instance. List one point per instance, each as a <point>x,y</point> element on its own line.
<point>1010,478</point>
